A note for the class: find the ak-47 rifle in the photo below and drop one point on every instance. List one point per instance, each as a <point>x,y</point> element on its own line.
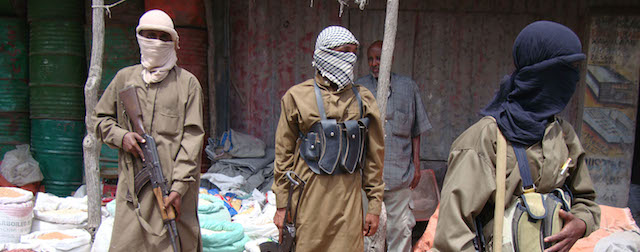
<point>151,163</point>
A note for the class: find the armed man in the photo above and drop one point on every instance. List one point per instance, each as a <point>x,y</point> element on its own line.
<point>170,107</point>
<point>330,134</point>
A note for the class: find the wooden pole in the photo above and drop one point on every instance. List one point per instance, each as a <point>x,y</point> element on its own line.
<point>213,115</point>
<point>384,79</point>
<point>90,144</point>
<point>390,27</point>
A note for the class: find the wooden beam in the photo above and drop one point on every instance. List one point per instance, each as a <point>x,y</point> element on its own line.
<point>90,144</point>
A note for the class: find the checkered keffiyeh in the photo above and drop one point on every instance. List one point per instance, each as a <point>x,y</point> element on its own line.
<point>335,66</point>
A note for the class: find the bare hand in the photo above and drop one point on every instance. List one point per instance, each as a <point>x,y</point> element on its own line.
<point>175,200</point>
<point>370,224</point>
<point>278,219</point>
<point>130,144</point>
<point>573,230</point>
<point>416,179</point>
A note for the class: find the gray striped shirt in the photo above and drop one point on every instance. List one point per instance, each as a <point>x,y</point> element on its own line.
<point>406,118</point>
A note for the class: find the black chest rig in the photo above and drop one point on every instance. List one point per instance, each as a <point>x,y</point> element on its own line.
<point>332,147</point>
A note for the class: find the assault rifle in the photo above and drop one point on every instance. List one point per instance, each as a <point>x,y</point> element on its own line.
<point>151,163</point>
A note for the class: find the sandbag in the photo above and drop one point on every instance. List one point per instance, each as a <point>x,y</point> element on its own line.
<point>16,213</point>
<point>222,236</point>
<point>103,236</point>
<point>19,168</point>
<point>212,208</point>
<point>40,225</point>
<point>70,240</point>
<point>242,145</point>
<point>111,208</point>
<point>53,213</point>
<point>22,246</point>
<point>256,223</point>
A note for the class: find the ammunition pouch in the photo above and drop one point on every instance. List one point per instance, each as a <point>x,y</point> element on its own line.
<point>335,148</point>
<point>531,218</point>
<point>332,147</point>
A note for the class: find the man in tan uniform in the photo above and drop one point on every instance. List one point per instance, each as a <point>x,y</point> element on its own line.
<point>330,211</point>
<point>546,55</point>
<point>171,103</point>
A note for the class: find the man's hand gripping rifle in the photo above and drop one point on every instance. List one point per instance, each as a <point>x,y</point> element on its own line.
<point>151,163</point>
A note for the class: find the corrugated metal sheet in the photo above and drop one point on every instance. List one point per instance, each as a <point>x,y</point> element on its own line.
<point>271,48</point>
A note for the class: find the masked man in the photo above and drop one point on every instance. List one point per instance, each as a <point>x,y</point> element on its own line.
<point>330,134</point>
<point>546,56</point>
<point>171,104</point>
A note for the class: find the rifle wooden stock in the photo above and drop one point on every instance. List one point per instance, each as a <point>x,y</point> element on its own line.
<point>129,99</point>
<point>167,213</point>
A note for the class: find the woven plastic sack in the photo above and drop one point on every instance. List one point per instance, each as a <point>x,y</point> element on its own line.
<point>54,209</point>
<point>26,247</point>
<point>16,213</point>
<point>242,145</point>
<point>79,241</point>
<point>212,208</point>
<point>222,236</point>
<point>103,236</point>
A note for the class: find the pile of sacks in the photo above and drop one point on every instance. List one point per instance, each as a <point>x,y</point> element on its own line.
<point>240,164</point>
<point>48,223</point>
<point>228,222</point>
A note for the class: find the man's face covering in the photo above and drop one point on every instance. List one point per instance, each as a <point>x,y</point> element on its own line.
<point>337,66</point>
<point>545,54</point>
<point>158,41</point>
<point>157,57</point>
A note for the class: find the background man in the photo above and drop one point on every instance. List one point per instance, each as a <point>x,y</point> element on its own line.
<point>406,119</point>
<point>330,213</point>
<point>171,103</point>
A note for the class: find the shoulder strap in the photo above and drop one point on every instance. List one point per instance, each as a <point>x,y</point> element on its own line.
<point>355,91</point>
<point>523,165</point>
<point>501,169</point>
<point>323,115</point>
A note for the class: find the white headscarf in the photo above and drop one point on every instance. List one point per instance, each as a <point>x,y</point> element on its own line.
<point>156,56</point>
<point>335,66</point>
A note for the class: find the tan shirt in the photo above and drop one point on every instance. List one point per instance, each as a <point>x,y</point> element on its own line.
<point>172,115</point>
<point>330,214</point>
<point>470,180</point>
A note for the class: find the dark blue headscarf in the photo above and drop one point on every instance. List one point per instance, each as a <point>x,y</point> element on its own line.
<point>541,85</point>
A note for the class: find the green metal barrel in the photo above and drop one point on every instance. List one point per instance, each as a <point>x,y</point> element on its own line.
<point>13,48</point>
<point>120,50</point>
<point>57,146</point>
<point>48,9</point>
<point>56,102</point>
<point>14,95</point>
<point>14,91</point>
<point>14,130</point>
<point>108,162</point>
<point>57,70</point>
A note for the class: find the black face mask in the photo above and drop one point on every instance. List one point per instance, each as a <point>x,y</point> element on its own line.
<point>542,85</point>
